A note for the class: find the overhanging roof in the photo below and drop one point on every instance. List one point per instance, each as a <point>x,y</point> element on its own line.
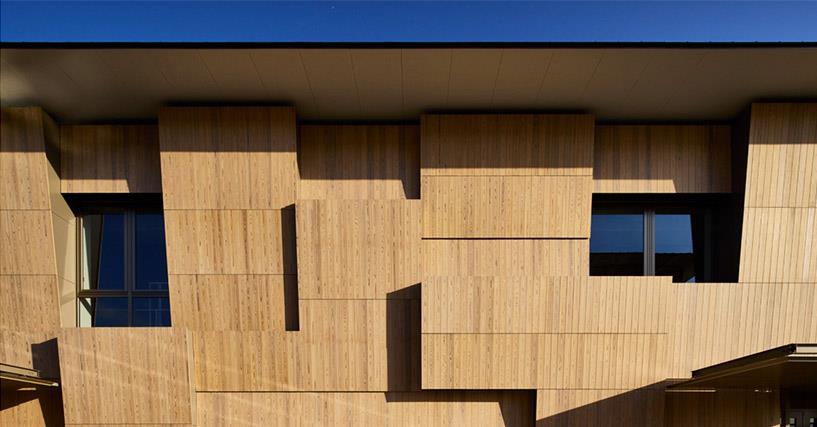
<point>792,366</point>
<point>88,83</point>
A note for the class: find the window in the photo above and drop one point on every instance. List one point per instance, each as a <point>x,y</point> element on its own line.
<point>123,268</point>
<point>661,237</point>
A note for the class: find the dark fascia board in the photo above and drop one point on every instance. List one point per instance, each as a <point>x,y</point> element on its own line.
<point>402,45</point>
<point>777,354</point>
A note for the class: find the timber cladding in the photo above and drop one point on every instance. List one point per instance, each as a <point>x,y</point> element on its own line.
<point>402,274</point>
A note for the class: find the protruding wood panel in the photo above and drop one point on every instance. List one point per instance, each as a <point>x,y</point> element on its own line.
<point>506,207</point>
<point>110,159</point>
<point>228,302</point>
<point>228,157</point>
<point>29,303</point>
<point>23,182</point>
<point>538,361</point>
<point>662,159</point>
<point>783,123</point>
<point>359,162</point>
<point>357,249</point>
<point>723,407</point>
<point>545,304</point>
<point>507,144</point>
<point>32,350</point>
<point>27,242</point>
<point>600,408</point>
<point>779,245</point>
<point>428,408</point>
<point>119,376</point>
<point>486,257</point>
<point>230,241</point>
<point>342,345</point>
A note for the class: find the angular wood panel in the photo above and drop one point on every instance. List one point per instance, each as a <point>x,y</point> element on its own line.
<point>120,376</point>
<point>228,302</point>
<point>370,343</point>
<point>357,249</point>
<point>662,159</point>
<point>539,361</point>
<point>507,144</point>
<point>359,162</point>
<point>110,159</point>
<point>428,408</point>
<point>779,245</point>
<point>29,303</point>
<point>531,304</point>
<point>27,240</point>
<point>230,241</point>
<point>598,407</point>
<point>506,257</point>
<point>506,207</point>
<point>228,157</point>
<point>23,183</point>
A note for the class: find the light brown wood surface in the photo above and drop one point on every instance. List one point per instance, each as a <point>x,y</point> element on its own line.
<point>28,233</point>
<point>359,162</point>
<point>779,245</point>
<point>228,157</point>
<point>600,407</point>
<point>662,159</point>
<point>29,303</point>
<point>113,375</point>
<point>357,248</point>
<point>506,207</point>
<point>507,144</point>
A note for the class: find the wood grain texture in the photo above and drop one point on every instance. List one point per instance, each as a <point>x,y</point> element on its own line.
<point>779,245</point>
<point>342,345</point>
<point>23,173</point>
<point>28,303</point>
<point>32,350</point>
<point>596,407</point>
<point>539,361</point>
<point>545,304</point>
<point>110,159</point>
<point>507,144</point>
<point>506,257</point>
<point>30,407</point>
<point>662,159</point>
<point>724,407</point>
<point>113,376</point>
<point>27,240</point>
<point>506,207</point>
<point>428,408</point>
<point>230,241</point>
<point>228,157</point>
<point>357,249</point>
<point>359,162</point>
<point>228,302</point>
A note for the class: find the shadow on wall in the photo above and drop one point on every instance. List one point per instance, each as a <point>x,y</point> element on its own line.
<point>403,339</point>
<point>290,259</point>
<point>13,397</point>
<point>516,406</point>
<point>643,407</point>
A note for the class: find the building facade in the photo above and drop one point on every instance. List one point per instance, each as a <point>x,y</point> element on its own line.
<point>412,236</point>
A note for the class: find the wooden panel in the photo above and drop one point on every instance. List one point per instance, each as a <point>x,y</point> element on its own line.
<point>28,303</point>
<point>228,157</point>
<point>228,302</point>
<point>529,257</point>
<point>30,407</point>
<point>507,206</point>
<point>428,408</point>
<point>343,345</point>
<point>27,242</point>
<point>782,165</point>
<point>507,144</point>
<point>519,361</point>
<point>357,249</point>
<point>662,159</point>
<point>114,375</point>
<point>545,304</point>
<point>594,407</point>
<point>230,241</point>
<point>359,162</point>
<point>723,407</point>
<point>23,174</point>
<point>32,350</point>
<point>779,245</point>
<point>110,159</point>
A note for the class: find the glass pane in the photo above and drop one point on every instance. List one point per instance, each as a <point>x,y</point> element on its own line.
<point>151,312</point>
<point>103,252</point>
<point>673,247</point>
<point>101,312</point>
<point>151,262</point>
<point>617,244</point>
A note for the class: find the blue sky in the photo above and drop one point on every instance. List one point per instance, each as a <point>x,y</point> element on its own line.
<point>188,21</point>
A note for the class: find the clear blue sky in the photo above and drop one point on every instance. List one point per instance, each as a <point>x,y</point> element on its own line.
<point>407,21</point>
